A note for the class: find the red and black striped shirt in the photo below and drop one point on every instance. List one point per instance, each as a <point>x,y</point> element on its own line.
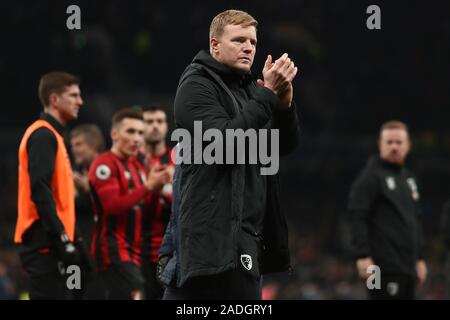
<point>119,200</point>
<point>157,216</point>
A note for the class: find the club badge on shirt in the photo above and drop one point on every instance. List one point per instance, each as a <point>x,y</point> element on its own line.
<point>390,182</point>
<point>392,288</point>
<point>414,190</point>
<point>246,261</point>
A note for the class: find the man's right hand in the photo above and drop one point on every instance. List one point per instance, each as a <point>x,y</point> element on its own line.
<point>278,75</point>
<point>362,264</point>
<point>66,251</point>
<point>157,177</point>
<point>162,263</point>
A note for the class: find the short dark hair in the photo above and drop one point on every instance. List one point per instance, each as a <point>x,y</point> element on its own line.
<point>55,82</point>
<point>92,135</point>
<point>393,124</point>
<point>154,108</point>
<point>127,113</point>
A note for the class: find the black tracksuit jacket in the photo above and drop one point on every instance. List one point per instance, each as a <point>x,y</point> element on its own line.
<point>216,206</point>
<point>385,217</point>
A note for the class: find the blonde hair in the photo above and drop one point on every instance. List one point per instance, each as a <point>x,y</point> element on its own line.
<point>393,124</point>
<point>233,17</point>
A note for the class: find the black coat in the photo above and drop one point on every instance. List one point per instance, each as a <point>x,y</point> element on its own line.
<point>209,208</point>
<point>385,218</point>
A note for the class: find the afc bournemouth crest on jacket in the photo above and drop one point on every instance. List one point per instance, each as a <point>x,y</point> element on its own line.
<point>246,261</point>
<point>392,288</point>
<point>414,190</point>
<point>390,182</point>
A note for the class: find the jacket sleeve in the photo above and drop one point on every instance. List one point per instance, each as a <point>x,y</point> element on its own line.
<point>286,120</point>
<point>42,147</point>
<point>197,100</point>
<point>363,192</point>
<point>420,237</point>
<point>167,246</point>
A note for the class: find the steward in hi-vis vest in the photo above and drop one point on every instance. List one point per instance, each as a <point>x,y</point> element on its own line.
<point>45,231</point>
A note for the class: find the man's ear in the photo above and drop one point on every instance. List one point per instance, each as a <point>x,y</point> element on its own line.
<point>114,133</point>
<point>214,45</point>
<point>53,99</point>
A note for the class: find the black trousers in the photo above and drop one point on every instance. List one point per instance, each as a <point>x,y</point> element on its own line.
<point>92,287</point>
<point>394,287</point>
<point>47,278</point>
<point>153,290</point>
<point>230,285</point>
<point>124,281</point>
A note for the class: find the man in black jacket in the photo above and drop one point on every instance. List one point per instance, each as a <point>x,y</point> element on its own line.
<point>385,218</point>
<point>228,225</point>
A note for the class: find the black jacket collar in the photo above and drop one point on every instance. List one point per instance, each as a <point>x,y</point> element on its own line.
<point>54,123</point>
<point>225,72</point>
<point>377,161</point>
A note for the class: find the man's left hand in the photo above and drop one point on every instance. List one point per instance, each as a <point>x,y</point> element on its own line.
<point>286,97</point>
<point>81,181</point>
<point>287,94</point>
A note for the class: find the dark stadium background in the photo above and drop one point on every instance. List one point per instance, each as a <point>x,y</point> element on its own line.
<point>351,79</point>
